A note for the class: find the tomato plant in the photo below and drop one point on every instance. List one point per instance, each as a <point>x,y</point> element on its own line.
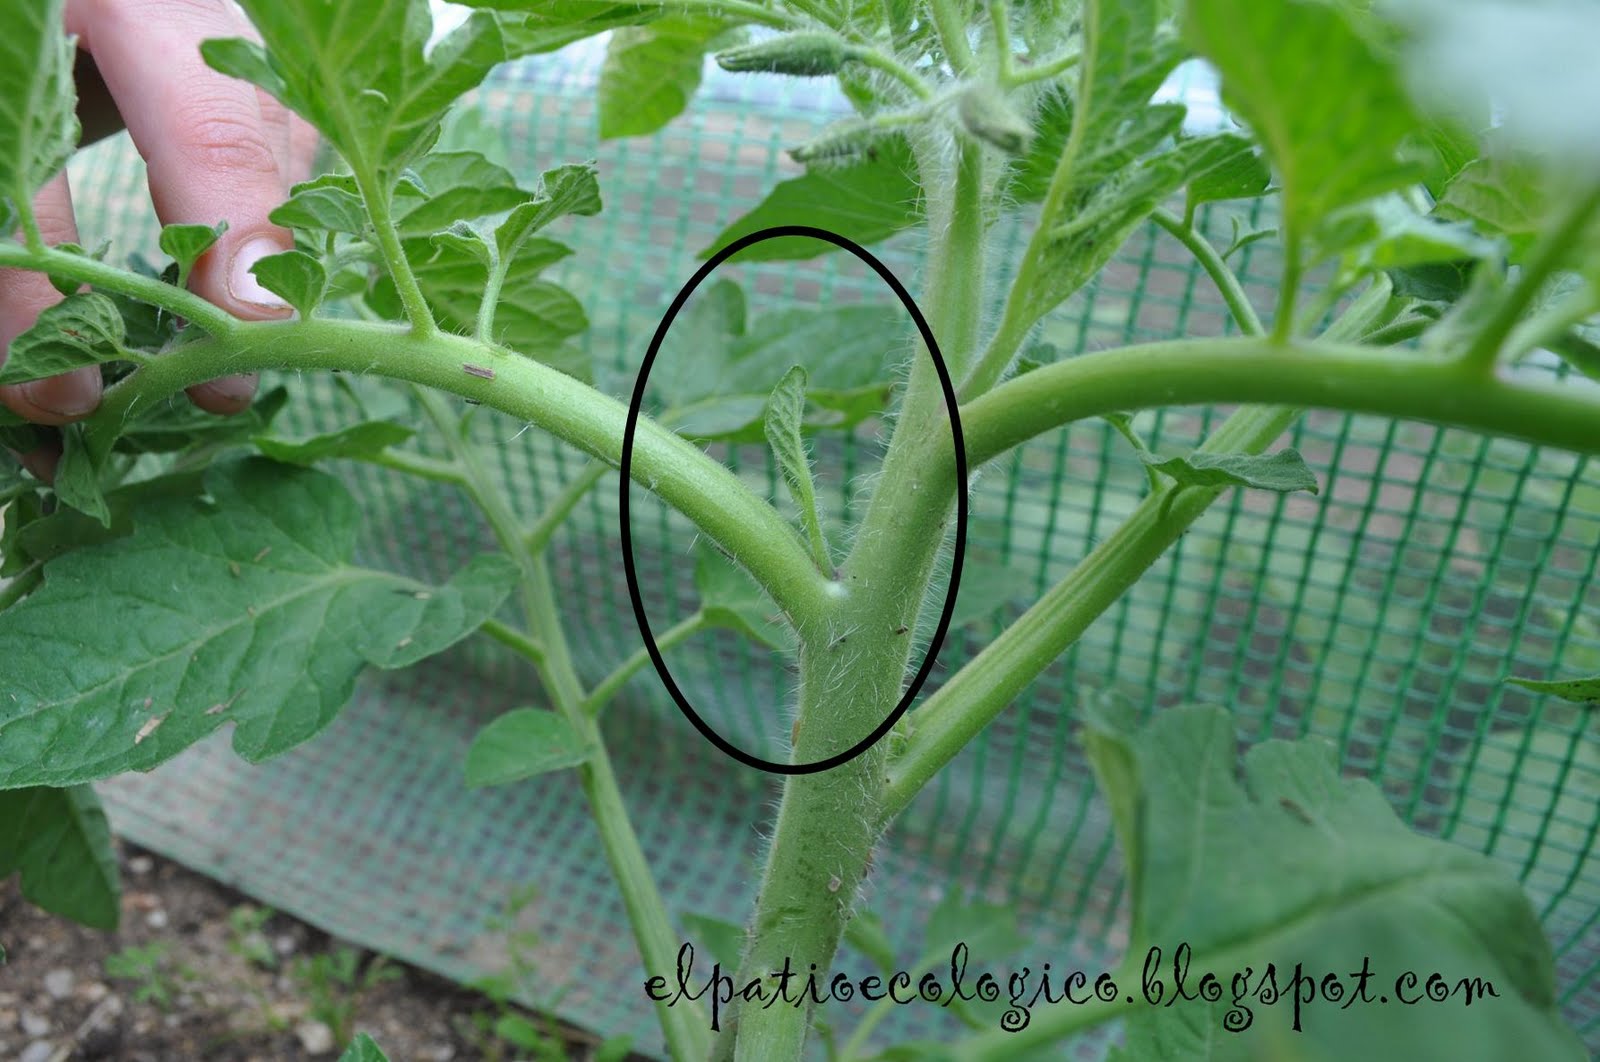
<point>185,573</point>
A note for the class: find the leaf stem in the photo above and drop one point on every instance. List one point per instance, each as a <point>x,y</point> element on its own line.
<point>96,273</point>
<point>1043,71</point>
<point>492,284</point>
<point>514,640</point>
<point>888,64</point>
<point>1227,282</point>
<point>557,511</point>
<point>607,687</point>
<point>419,465</point>
<point>379,209</point>
<point>1288,286</point>
<point>1547,256</point>
<point>1004,60</point>
<point>952,30</point>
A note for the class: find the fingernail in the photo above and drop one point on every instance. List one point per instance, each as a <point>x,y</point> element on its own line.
<point>242,284</point>
<point>228,390</point>
<point>72,394</point>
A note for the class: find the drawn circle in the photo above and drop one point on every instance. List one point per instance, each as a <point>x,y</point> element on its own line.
<point>626,532</point>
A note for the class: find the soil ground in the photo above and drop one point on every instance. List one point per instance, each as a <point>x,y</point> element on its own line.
<point>198,972</point>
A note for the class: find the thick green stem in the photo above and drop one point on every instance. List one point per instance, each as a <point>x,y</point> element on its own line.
<point>681,473</point>
<point>853,669</point>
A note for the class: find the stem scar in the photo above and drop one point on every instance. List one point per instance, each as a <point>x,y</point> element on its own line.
<point>478,370</point>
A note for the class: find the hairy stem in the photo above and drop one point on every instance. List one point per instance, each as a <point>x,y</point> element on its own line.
<point>86,270</point>
<point>380,209</point>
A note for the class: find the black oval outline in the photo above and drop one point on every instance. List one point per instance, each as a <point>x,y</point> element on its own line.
<point>626,532</point>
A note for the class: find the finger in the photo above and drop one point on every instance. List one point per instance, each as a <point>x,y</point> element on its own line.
<point>202,135</point>
<point>23,294</point>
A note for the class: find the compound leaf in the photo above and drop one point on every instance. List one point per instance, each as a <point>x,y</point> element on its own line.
<point>523,743</point>
<point>651,71</point>
<point>866,201</point>
<point>85,328</point>
<point>60,842</point>
<point>241,606</point>
<point>1210,856</point>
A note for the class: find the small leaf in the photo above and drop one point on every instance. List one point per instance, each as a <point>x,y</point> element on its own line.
<point>731,599</point>
<point>1283,471</point>
<point>77,479</point>
<point>1239,173</point>
<point>274,649</point>
<point>1385,234</point>
<point>457,186</point>
<point>784,414</point>
<point>83,329</point>
<point>1583,690</point>
<point>330,203</point>
<point>295,277</point>
<point>61,843</point>
<point>521,744</point>
<point>1330,111</point>
<point>465,238</point>
<point>651,71</point>
<point>363,1049</point>
<point>724,940</point>
<point>572,189</point>
<point>866,201</point>
<point>360,441</point>
<point>185,244</point>
<point>38,109</point>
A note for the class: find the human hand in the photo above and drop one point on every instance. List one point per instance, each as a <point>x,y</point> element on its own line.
<point>216,149</point>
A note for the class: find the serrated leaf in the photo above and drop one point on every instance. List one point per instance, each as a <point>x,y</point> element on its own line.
<point>38,106</point>
<point>571,189</point>
<point>651,71</point>
<point>1582,690</point>
<point>1329,110</point>
<point>467,239</point>
<point>1284,471</point>
<point>731,599</point>
<point>359,72</point>
<point>1239,172</point>
<point>1385,233</point>
<point>363,1049</point>
<point>60,842</point>
<point>329,203</point>
<point>77,480</point>
<point>724,940</point>
<point>243,608</point>
<point>1209,855</point>
<point>362,441</point>
<point>185,243</point>
<point>83,329</point>
<point>1499,194</point>
<point>458,186</point>
<point>521,744</point>
<point>781,421</point>
<point>866,201</point>
<point>295,277</point>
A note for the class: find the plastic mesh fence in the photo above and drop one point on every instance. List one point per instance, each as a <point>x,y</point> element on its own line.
<point>1382,614</point>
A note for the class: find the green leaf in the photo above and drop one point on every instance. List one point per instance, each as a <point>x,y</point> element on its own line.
<point>731,599</point>
<point>60,842</point>
<point>1238,173</point>
<point>357,71</point>
<point>52,534</point>
<point>184,244</point>
<point>242,607</point>
<point>458,186</point>
<point>360,441</point>
<point>1583,690</point>
<point>1193,1033</point>
<point>786,408</point>
<point>651,71</point>
<point>1283,471</point>
<point>1330,111</point>
<point>465,238</point>
<point>1502,195</point>
<point>1385,234</point>
<point>724,940</point>
<point>987,588</point>
<point>83,329</point>
<point>554,24</point>
<point>523,743</point>
<point>866,201</point>
<point>866,934</point>
<point>38,108</point>
<point>77,479</point>
<point>571,189</point>
<point>330,202</point>
<point>178,424</point>
<point>1208,854</point>
<point>989,930</point>
<point>363,1049</point>
<point>294,276</point>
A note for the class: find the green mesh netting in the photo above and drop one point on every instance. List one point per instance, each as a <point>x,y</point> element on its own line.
<point>1382,614</point>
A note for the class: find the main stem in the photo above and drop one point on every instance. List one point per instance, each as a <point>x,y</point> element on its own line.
<point>853,668</point>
